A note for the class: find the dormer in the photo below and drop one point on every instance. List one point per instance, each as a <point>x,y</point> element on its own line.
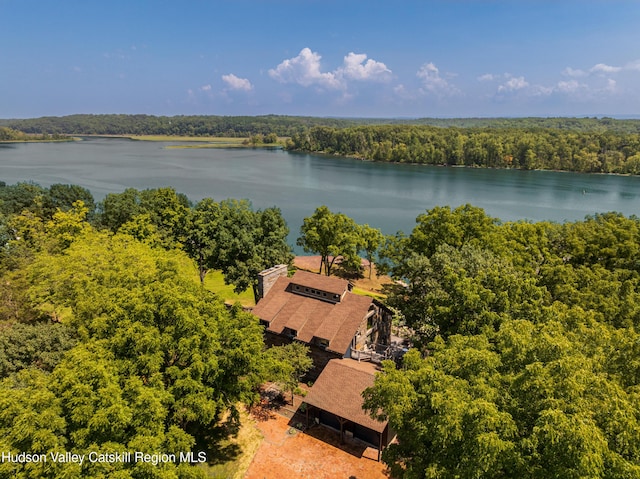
<point>316,293</point>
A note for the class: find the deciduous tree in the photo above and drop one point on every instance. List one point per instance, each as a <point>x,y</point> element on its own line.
<point>331,235</point>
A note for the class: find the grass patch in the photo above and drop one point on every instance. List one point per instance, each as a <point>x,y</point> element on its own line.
<point>222,144</point>
<point>191,139</point>
<point>214,281</point>
<point>203,141</point>
<point>364,292</point>
<point>233,454</point>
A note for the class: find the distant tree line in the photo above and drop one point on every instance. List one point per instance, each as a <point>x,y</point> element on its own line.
<point>549,149</point>
<point>283,125</point>
<point>223,126</point>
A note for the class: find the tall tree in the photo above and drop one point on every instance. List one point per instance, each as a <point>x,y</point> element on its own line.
<point>230,236</point>
<point>200,243</point>
<point>287,364</point>
<point>372,239</point>
<point>332,236</point>
<point>62,197</point>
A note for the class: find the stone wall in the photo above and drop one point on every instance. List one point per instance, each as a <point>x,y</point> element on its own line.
<point>268,277</point>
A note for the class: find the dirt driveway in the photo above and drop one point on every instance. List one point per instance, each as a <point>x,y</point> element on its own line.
<point>314,454</point>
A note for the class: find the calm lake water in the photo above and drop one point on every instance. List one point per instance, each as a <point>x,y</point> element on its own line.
<point>386,196</point>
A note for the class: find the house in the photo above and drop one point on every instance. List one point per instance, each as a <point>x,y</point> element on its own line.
<point>324,313</point>
<point>347,334</point>
<point>335,400</point>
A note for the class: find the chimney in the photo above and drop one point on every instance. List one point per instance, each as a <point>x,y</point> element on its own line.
<point>268,277</point>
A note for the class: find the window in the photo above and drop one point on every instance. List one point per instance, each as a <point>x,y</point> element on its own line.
<point>290,333</point>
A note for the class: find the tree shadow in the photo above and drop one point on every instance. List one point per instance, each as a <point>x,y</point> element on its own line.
<point>218,441</point>
<point>272,399</point>
<point>350,273</point>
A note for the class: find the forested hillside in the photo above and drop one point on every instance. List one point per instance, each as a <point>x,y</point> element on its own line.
<point>551,149</point>
<point>10,134</point>
<point>282,125</point>
<point>588,145</point>
<point>227,126</point>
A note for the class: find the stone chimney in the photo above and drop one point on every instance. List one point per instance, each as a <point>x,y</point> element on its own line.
<point>268,277</point>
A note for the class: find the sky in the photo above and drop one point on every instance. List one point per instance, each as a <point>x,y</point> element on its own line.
<point>348,58</point>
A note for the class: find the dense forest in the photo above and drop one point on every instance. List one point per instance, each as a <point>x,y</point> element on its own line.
<point>282,125</point>
<point>526,358</point>
<point>543,148</point>
<point>108,340</point>
<point>525,351</point>
<point>225,126</point>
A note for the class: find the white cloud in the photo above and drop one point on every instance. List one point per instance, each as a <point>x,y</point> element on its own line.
<point>304,70</point>
<point>433,82</point>
<point>205,88</point>
<point>571,86</point>
<point>603,68</point>
<point>355,68</point>
<point>571,72</point>
<point>514,84</point>
<point>235,83</point>
<point>487,77</point>
<point>404,93</point>
<point>634,65</point>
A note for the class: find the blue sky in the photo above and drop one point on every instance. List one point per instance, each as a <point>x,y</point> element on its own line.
<point>422,58</point>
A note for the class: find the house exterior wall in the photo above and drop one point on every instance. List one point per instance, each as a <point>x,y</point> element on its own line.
<point>375,327</point>
<point>382,320</point>
<point>357,431</point>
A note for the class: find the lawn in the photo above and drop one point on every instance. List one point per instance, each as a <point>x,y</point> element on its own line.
<point>235,451</point>
<point>214,281</point>
<point>203,141</point>
<point>194,139</point>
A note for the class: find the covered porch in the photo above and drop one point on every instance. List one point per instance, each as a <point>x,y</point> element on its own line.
<point>335,400</point>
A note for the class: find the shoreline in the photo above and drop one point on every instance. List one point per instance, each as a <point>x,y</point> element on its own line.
<point>474,167</point>
<point>197,141</point>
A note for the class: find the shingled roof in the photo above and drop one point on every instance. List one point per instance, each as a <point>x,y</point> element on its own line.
<point>314,306</point>
<point>339,388</point>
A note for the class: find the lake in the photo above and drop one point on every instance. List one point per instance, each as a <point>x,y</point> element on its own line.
<point>387,196</point>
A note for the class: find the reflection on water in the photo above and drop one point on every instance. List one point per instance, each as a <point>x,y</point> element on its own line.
<point>387,196</point>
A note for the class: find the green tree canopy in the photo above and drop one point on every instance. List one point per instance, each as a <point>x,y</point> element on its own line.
<point>529,401</point>
<point>159,362</point>
<point>230,236</point>
<point>331,235</point>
